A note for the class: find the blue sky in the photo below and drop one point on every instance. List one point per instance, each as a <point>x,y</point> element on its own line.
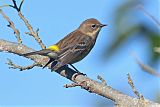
<point>55,19</point>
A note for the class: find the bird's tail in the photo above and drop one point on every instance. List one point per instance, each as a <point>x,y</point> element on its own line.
<point>43,52</point>
<point>31,53</point>
<point>46,52</point>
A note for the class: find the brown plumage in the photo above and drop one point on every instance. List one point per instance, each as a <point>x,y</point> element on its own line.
<point>75,46</point>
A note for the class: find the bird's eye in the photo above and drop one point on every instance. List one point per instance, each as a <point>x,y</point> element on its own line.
<point>93,26</point>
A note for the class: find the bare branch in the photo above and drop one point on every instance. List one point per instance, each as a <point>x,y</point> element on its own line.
<point>32,32</point>
<point>5,5</point>
<point>120,99</point>
<point>29,27</point>
<point>84,85</point>
<point>102,80</point>
<point>15,5</point>
<point>21,68</point>
<point>21,5</point>
<point>11,25</point>
<point>149,15</point>
<point>130,82</point>
<point>71,85</point>
<point>146,68</point>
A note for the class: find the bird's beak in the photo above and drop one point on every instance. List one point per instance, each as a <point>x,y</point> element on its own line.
<point>102,25</point>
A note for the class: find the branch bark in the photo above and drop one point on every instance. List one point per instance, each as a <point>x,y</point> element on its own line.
<point>101,88</point>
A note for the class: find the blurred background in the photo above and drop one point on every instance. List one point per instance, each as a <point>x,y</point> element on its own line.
<point>129,31</point>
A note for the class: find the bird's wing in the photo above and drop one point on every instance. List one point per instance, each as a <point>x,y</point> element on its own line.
<point>70,53</point>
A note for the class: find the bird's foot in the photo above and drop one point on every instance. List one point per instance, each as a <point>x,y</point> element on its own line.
<point>77,74</point>
<point>80,73</point>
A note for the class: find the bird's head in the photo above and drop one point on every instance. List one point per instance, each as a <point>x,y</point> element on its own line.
<point>91,27</point>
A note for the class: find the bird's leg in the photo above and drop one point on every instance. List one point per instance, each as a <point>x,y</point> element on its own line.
<point>50,60</point>
<point>79,73</point>
<point>74,68</point>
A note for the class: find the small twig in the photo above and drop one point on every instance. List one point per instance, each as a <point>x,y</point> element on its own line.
<point>21,5</point>
<point>29,27</point>
<point>130,82</point>
<point>11,25</point>
<point>85,85</point>
<point>71,85</point>
<point>102,80</point>
<point>21,68</point>
<point>5,5</point>
<point>15,5</point>
<point>32,33</point>
<point>149,15</point>
<point>146,68</point>
<point>82,84</point>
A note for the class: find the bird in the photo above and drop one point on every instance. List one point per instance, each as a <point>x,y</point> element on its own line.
<point>73,47</point>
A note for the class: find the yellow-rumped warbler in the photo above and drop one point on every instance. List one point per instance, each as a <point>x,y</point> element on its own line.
<point>74,47</point>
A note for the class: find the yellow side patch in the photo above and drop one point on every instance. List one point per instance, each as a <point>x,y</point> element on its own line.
<point>54,48</point>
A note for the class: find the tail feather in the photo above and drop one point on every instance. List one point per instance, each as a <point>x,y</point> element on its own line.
<point>31,53</point>
<point>41,52</point>
<point>46,52</point>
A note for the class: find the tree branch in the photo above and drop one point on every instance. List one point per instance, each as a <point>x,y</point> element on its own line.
<point>141,7</point>
<point>28,25</point>
<point>100,88</point>
<point>11,25</point>
<point>145,67</point>
<point>130,82</point>
<point>21,68</point>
